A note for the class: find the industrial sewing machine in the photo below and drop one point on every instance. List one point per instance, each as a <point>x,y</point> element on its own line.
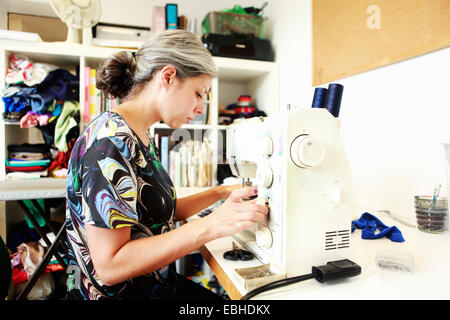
<point>298,161</point>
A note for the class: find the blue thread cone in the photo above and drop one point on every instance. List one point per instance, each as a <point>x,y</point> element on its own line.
<point>334,98</point>
<point>320,95</point>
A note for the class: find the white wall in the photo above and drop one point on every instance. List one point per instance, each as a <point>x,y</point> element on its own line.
<point>393,119</point>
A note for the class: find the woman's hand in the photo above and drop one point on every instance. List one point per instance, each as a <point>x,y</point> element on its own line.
<point>236,214</point>
<point>225,191</point>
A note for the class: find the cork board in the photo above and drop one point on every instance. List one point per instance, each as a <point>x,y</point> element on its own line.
<point>349,37</point>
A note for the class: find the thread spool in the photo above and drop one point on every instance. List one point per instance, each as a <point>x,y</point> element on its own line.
<point>320,95</point>
<point>334,98</point>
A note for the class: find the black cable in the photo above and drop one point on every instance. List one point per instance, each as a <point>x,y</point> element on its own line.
<point>277,284</point>
<point>331,271</point>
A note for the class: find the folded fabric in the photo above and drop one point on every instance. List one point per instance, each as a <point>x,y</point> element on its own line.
<point>369,225</point>
<point>25,169</point>
<point>65,123</point>
<point>25,175</point>
<point>28,155</point>
<point>29,148</point>
<point>26,163</point>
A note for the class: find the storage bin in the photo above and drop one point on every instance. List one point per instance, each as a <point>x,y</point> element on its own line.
<point>232,23</point>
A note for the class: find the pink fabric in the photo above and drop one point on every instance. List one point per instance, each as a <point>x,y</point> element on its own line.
<point>32,119</point>
<point>29,120</point>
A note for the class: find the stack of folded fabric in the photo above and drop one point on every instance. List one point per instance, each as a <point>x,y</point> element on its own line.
<point>27,161</point>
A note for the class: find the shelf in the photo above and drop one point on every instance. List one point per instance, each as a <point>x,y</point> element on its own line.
<point>7,123</point>
<point>40,49</point>
<point>32,189</point>
<point>56,188</point>
<point>242,70</point>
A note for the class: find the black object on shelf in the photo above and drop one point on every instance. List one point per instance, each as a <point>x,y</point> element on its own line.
<point>238,46</point>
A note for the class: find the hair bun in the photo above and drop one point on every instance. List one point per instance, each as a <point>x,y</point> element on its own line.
<point>116,76</point>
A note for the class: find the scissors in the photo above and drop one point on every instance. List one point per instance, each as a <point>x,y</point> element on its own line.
<point>237,254</point>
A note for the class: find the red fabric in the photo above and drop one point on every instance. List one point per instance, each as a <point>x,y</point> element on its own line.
<point>54,267</point>
<point>19,276</point>
<point>62,158</point>
<point>26,169</point>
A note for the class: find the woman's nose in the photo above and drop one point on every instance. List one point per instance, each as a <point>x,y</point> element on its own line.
<point>199,108</point>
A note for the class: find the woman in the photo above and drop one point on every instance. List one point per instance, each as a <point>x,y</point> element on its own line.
<point>121,204</point>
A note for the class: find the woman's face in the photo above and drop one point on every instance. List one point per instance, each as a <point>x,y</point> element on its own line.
<point>184,99</point>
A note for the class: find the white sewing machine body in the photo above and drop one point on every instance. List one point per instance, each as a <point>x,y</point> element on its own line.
<point>302,172</point>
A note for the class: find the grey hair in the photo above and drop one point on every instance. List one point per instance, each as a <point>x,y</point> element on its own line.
<point>179,48</point>
<point>183,50</point>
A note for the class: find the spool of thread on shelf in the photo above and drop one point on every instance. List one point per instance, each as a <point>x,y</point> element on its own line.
<point>320,96</point>
<point>334,98</point>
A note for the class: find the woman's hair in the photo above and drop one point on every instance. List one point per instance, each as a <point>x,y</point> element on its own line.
<point>183,50</point>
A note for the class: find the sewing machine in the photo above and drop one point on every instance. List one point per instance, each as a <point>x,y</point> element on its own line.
<point>298,162</point>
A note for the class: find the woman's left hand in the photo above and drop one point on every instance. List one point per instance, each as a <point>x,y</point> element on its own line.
<point>225,191</point>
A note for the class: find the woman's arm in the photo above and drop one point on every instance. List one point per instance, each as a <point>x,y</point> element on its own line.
<point>193,204</point>
<point>116,258</point>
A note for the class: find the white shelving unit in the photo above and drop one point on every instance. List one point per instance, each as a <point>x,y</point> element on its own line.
<point>236,76</point>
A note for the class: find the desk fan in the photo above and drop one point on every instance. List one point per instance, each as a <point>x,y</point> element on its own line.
<point>78,14</point>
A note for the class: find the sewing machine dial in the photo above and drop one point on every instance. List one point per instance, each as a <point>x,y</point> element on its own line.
<point>266,147</point>
<point>264,238</point>
<point>307,151</point>
<point>264,176</point>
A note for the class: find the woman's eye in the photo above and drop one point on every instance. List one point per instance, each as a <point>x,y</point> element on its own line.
<point>199,95</point>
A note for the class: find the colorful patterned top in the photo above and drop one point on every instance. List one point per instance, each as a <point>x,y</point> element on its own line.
<point>115,181</point>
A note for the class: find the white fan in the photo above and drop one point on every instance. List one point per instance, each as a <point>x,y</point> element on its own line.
<point>78,14</point>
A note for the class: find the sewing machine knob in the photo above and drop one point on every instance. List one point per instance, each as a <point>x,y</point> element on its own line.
<point>306,151</point>
<point>266,147</point>
<point>265,176</point>
<point>264,238</point>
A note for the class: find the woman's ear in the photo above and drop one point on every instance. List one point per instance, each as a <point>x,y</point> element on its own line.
<point>168,76</point>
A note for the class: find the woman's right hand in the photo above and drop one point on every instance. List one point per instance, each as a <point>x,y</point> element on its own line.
<point>236,214</point>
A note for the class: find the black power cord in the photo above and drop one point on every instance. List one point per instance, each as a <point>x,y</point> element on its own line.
<point>331,271</point>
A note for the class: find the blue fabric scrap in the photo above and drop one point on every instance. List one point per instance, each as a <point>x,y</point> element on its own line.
<point>369,224</point>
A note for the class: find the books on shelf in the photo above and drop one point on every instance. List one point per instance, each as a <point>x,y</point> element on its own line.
<point>93,93</point>
<point>188,163</point>
<point>95,100</point>
<point>165,152</point>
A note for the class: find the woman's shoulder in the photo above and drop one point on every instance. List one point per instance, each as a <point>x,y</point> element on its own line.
<point>109,125</point>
